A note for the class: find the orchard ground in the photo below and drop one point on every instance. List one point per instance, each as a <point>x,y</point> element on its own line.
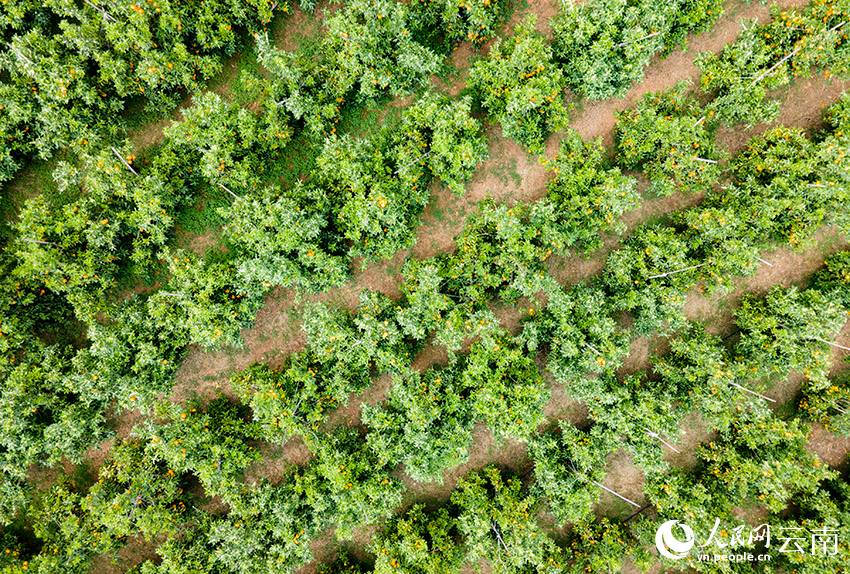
<point>509,175</point>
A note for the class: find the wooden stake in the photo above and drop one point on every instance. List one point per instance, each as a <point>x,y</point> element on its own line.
<point>20,55</point>
<point>592,348</point>
<point>106,15</point>
<point>676,271</point>
<point>221,185</point>
<point>776,65</point>
<point>638,40</point>
<point>655,435</point>
<point>39,242</point>
<point>705,160</point>
<point>765,262</point>
<point>606,489</point>
<point>745,389</point>
<point>119,156</point>
<point>797,49</point>
<point>830,343</point>
<point>396,172</point>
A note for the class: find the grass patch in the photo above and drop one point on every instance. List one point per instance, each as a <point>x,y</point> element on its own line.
<point>506,172</point>
<point>202,217</point>
<point>368,120</point>
<point>298,160</point>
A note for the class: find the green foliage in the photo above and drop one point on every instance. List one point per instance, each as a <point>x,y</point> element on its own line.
<point>502,249</point>
<point>270,528</point>
<point>424,302</point>
<point>506,389</point>
<point>285,239</point>
<point>418,543</point>
<point>820,513</point>
<point>588,193</point>
<point>131,357</point>
<point>44,420</point>
<point>602,546</point>
<point>566,466</point>
<point>349,346</point>
<point>767,56</point>
<point>136,494</point>
<point>666,135</point>
<point>211,442</point>
<point>834,279</point>
<point>80,247</point>
<point>649,276</point>
<point>460,20</point>
<point>425,423</point>
<point>191,553</point>
<point>580,332</point>
<point>495,519</point>
<point>69,533</point>
<point>346,485</point>
<point>788,330</point>
<point>780,189</point>
<point>521,87</point>
<point>828,404</point>
<point>367,51</point>
<point>294,399</point>
<point>638,410</point>
<point>705,376</point>
<point>719,236</point>
<point>206,300</point>
<point>604,45</point>
<point>374,210</point>
<point>70,70</point>
<point>453,139</point>
<point>764,459</point>
<point>227,144</point>
<point>377,186</point>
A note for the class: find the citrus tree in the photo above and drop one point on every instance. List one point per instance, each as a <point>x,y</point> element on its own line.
<point>589,193</point>
<point>495,520</point>
<point>456,21</point>
<point>788,329</point>
<point>605,45</point>
<point>418,542</point>
<point>521,87</point>
<point>667,135</point>
<point>425,423</point>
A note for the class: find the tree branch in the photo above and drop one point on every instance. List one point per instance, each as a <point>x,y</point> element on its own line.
<point>106,15</point>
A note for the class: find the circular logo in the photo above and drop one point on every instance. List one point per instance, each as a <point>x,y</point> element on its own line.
<point>671,547</point>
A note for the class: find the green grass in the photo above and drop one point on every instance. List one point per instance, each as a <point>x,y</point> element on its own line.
<point>367,121</point>
<point>298,160</point>
<point>202,217</point>
<point>506,172</point>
